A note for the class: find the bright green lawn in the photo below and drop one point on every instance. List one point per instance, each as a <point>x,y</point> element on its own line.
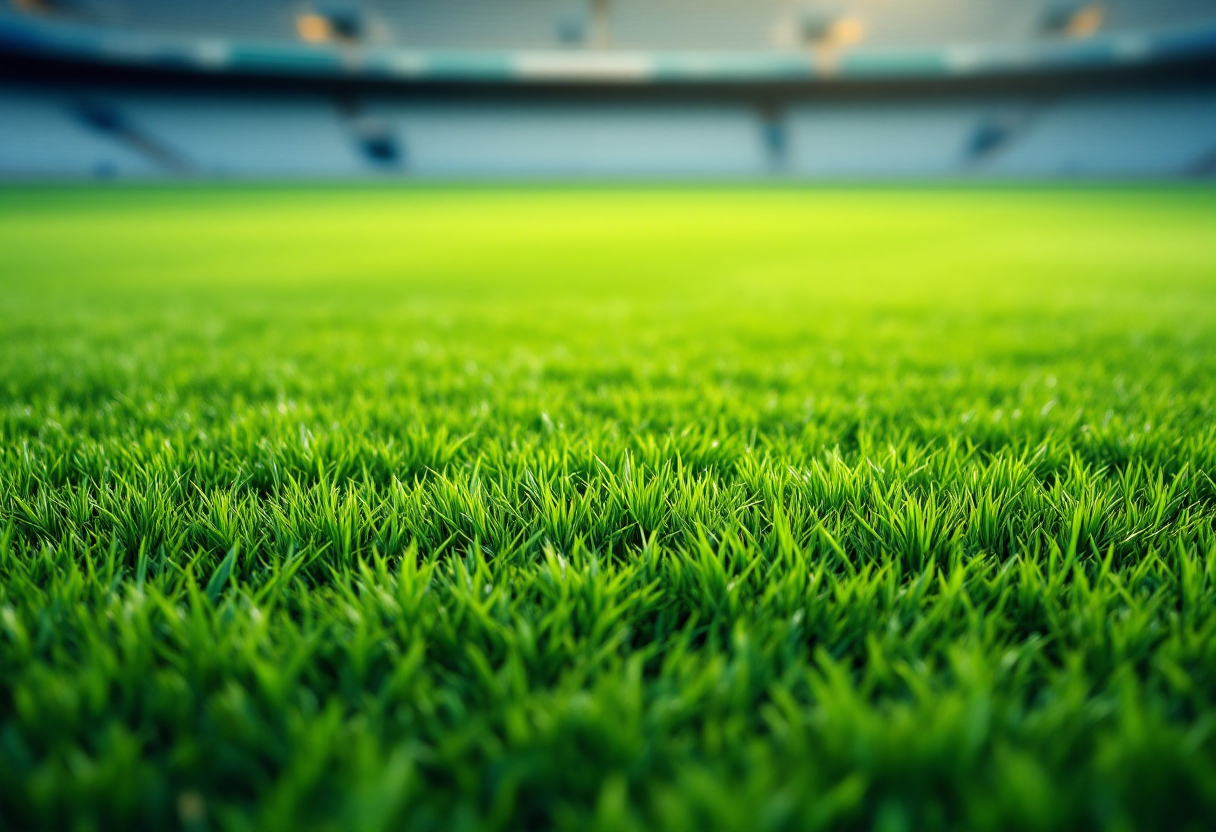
<point>455,509</point>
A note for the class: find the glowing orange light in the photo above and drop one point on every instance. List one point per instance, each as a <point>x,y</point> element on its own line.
<point>32,6</point>
<point>1085,21</point>
<point>313,28</point>
<point>846,31</point>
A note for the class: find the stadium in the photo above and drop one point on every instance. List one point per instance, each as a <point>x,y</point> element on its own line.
<point>640,88</point>
<point>757,415</point>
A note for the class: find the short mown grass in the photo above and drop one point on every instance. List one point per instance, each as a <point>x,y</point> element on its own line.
<point>497,508</point>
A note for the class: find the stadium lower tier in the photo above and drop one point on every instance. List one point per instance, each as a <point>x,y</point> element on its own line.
<point>61,130</point>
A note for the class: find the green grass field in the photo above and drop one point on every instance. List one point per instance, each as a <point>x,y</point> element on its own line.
<point>621,508</point>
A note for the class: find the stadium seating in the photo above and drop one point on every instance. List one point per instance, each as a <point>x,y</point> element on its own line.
<point>274,135</point>
<point>1137,15</point>
<point>1115,134</point>
<point>270,20</point>
<point>76,127</point>
<point>44,136</point>
<point>562,139</point>
<point>237,135</point>
<point>850,140</point>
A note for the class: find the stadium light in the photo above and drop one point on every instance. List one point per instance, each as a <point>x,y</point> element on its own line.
<point>832,32</point>
<point>1075,21</point>
<point>846,31</point>
<point>1085,21</point>
<point>314,28</point>
<point>33,6</point>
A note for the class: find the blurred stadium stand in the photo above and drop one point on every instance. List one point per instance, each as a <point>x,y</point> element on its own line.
<point>605,88</point>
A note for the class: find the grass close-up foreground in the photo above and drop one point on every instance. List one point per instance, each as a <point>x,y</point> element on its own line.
<point>608,508</point>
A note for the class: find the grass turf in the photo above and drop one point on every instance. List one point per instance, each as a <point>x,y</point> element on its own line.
<point>609,509</point>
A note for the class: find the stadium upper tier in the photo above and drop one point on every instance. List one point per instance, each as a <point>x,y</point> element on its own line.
<point>614,39</point>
